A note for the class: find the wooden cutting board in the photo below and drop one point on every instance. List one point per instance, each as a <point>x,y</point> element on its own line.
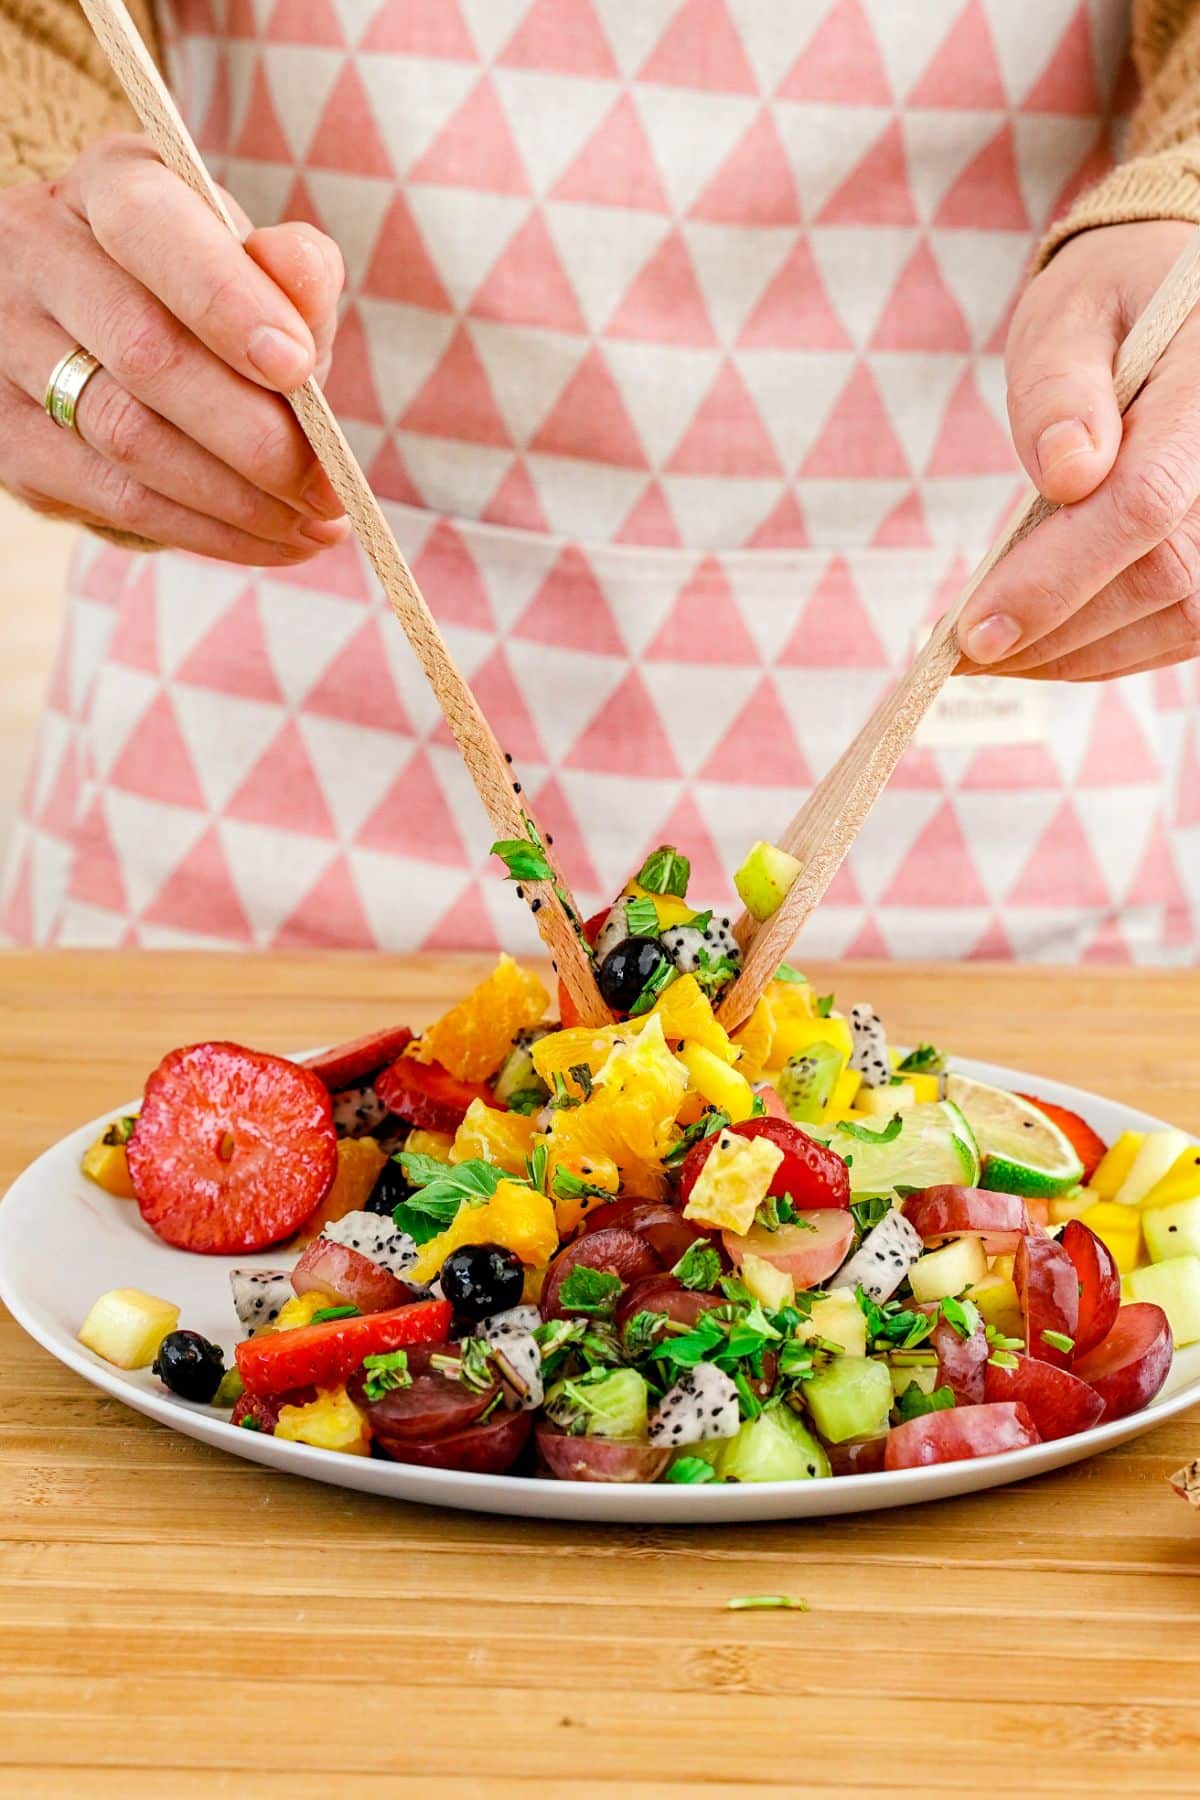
<point>175,1622</point>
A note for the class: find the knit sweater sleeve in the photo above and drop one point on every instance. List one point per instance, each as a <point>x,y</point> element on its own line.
<point>1160,177</point>
<point>57,91</point>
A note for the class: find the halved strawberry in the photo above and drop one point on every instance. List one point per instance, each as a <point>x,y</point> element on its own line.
<point>347,1064</point>
<point>427,1095</point>
<point>1087,1144</point>
<point>324,1355</point>
<point>233,1149</point>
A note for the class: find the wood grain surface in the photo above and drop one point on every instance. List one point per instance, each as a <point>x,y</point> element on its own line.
<point>175,1622</point>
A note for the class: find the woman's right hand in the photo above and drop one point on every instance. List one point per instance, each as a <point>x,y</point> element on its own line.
<point>181,435</point>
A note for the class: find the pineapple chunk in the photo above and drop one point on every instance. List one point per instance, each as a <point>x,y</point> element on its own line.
<point>107,1165</point>
<point>734,1182</point>
<point>771,1287</point>
<point>330,1422</point>
<point>939,1274</point>
<point>1115,1164</point>
<point>839,1318</point>
<point>126,1327</point>
<point>1157,1157</point>
<point>996,1298</point>
<point>1121,1229</point>
<point>882,1103</point>
<point>1181,1181</point>
<point>720,1085</point>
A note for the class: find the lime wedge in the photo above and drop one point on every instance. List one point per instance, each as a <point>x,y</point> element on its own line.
<point>1023,1152</point>
<point>933,1148</point>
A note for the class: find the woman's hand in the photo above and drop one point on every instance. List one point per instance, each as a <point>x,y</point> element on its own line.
<point>181,437</point>
<point>1111,584</point>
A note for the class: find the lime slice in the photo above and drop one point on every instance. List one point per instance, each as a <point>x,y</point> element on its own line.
<point>933,1148</point>
<point>1023,1152</point>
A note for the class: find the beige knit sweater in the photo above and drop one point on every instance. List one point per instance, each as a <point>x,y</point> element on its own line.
<point>57,93</point>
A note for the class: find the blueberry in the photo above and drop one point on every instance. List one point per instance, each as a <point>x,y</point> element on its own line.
<point>481,1279</point>
<point>189,1365</point>
<point>626,970</point>
<point>389,1190</point>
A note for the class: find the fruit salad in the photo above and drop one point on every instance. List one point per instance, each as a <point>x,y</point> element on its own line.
<point>654,1250</point>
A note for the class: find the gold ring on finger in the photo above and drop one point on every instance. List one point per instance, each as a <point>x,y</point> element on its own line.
<point>68,378</point>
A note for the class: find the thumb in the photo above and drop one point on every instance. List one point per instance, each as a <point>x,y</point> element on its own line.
<point>1065,420</point>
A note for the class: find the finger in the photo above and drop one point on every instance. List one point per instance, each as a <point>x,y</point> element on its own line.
<point>1171,660</point>
<point>1174,631</point>
<point>56,471</point>
<point>172,242</point>
<point>1064,415</point>
<point>1045,580</point>
<point>305,263</point>
<point>124,431</point>
<point>152,356</point>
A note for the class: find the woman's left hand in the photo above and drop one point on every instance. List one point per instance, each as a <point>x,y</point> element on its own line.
<point>1110,585</point>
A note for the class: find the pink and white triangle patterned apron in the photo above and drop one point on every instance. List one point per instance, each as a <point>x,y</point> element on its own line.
<point>673,340</point>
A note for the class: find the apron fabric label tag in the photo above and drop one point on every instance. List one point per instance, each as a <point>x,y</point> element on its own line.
<point>984,709</point>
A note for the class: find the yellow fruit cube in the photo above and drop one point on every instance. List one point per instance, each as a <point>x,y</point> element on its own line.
<point>518,1217</point>
<point>330,1422</point>
<point>1120,1227</point>
<point>359,1161</point>
<point>846,1090</point>
<point>734,1182</point>
<point>772,1287</point>
<point>126,1327</point>
<point>436,1144</point>
<point>996,1298</point>
<point>645,1068</point>
<point>754,1039</point>
<point>1116,1163</point>
<point>926,1088</point>
<point>299,1310</point>
<point>839,1319</point>
<point>796,1033</point>
<point>488,1135</point>
<point>686,1013</point>
<point>1181,1181</point>
<point>107,1165</point>
<point>1072,1205</point>
<point>720,1085</point>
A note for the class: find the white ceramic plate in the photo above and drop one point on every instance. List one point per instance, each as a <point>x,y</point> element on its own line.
<point>63,1242</point>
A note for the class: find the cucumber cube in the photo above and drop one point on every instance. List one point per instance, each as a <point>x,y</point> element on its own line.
<point>1175,1286</point>
<point>940,1273</point>
<point>1172,1231</point>
<point>776,1446</point>
<point>851,1398</point>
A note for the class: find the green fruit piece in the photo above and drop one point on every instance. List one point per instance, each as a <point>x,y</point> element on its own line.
<point>776,1446</point>
<point>1175,1286</point>
<point>517,1075</point>
<point>933,1148</point>
<point>1023,1151</point>
<point>807,1081</point>
<point>613,1408</point>
<point>850,1398</point>
<point>1172,1230</point>
<point>764,879</point>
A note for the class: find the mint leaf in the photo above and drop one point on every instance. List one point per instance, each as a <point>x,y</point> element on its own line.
<point>924,1060</point>
<point>699,1267</point>
<point>121,1130</point>
<point>665,871</point>
<point>700,921</point>
<point>581,1074</point>
<point>708,1122</point>
<point>592,1291</point>
<point>386,1373</point>
<point>963,1316</point>
<point>442,1189</point>
<point>867,1213</point>
<point>527,1100</point>
<point>568,1186</point>
<point>641,917</point>
<point>785,972</point>
<point>662,975</point>
<point>535,1167</point>
<point>690,1470</point>
<point>524,861</point>
<point>864,1135</point>
<point>914,1403</point>
<point>824,1006</point>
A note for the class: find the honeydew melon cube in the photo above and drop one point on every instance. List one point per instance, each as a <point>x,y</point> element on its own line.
<point>1157,1156</point>
<point>941,1273</point>
<point>851,1398</point>
<point>1172,1231</point>
<point>1175,1286</point>
<point>127,1326</point>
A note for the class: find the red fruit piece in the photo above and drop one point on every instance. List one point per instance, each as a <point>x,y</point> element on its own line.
<point>348,1064</point>
<point>1130,1365</point>
<point>488,1449</point>
<point>599,1459</point>
<point>351,1278</point>
<point>664,1227</point>
<point>233,1149</point>
<point>263,1409</point>
<point>946,1212</point>
<point>959,1433</point>
<point>616,1251</point>
<point>663,1294</point>
<point>429,1096</point>
<point>1058,1403</point>
<point>1099,1284</point>
<point>961,1361</point>
<point>1048,1290</point>
<point>1088,1146</point>
<point>809,1251</point>
<point>324,1355</point>
<point>811,1174</point>
<point>433,1406</point>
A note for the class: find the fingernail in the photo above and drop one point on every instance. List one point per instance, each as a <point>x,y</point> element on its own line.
<point>324,531</point>
<point>992,638</point>
<point>1062,443</point>
<point>318,495</point>
<point>284,360</point>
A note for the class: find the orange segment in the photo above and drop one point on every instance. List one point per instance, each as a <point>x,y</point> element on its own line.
<point>625,1135</point>
<point>596,1171</point>
<point>754,1040</point>
<point>486,1135</point>
<point>473,1038</point>
<point>686,1013</point>
<point>578,1046</point>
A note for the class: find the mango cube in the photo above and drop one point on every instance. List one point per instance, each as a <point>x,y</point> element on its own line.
<point>1115,1164</point>
<point>734,1182</point>
<point>1121,1229</point>
<point>330,1422</point>
<point>720,1085</point>
<point>106,1163</point>
<point>127,1326</point>
<point>1181,1182</point>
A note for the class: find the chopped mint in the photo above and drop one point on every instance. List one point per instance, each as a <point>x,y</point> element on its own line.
<point>641,917</point>
<point>524,861</point>
<point>568,1186</point>
<point>581,1074</point>
<point>1002,1359</point>
<point>785,972</point>
<point>777,1210</point>
<point>662,975</point>
<point>592,1291</point>
<point>893,1325</point>
<point>642,1332</point>
<point>121,1130</point>
<point>665,871</point>
<point>748,1401</point>
<point>472,1366</point>
<point>914,1403</point>
<point>562,1096</point>
<point>442,1189</point>
<point>758,1107</point>
<point>690,1470</point>
<point>963,1316</point>
<point>386,1373</point>
<point>735,1289</point>
<point>328,1313</point>
<point>824,1005</point>
<point>765,1603</point>
<point>864,1135</point>
<point>796,1360</point>
<point>1058,1340</point>
<point>250,1423</point>
<point>700,921</point>
<point>715,971</point>
<point>527,1100</point>
<point>535,1167</point>
<point>705,1126</point>
<point>998,1341</point>
<point>867,1213</point>
<point>924,1060</point>
<point>699,1266</point>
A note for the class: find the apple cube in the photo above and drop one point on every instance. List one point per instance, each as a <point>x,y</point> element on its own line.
<point>126,1327</point>
<point>1175,1286</point>
<point>1172,1230</point>
<point>839,1319</point>
<point>771,1287</point>
<point>764,879</point>
<point>939,1274</point>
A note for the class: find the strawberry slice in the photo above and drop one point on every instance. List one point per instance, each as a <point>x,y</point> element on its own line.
<point>347,1064</point>
<point>429,1096</point>
<point>324,1355</point>
<point>1088,1146</point>
<point>233,1149</point>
